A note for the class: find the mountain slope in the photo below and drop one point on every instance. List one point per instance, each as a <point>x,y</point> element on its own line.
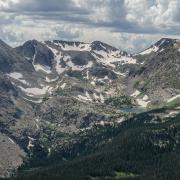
<point>143,147</point>
<point>15,113</point>
<point>60,64</point>
<point>158,77</point>
<point>60,99</point>
<point>11,61</point>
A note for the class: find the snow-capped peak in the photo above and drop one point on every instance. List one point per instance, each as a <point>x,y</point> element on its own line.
<point>160,46</point>
<point>98,51</point>
<point>72,46</point>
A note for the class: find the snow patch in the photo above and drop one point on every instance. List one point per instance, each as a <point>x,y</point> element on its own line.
<point>36,122</point>
<point>33,101</point>
<point>51,80</point>
<point>39,67</point>
<point>145,98</point>
<point>63,86</point>
<point>57,57</point>
<point>128,60</point>
<point>108,58</point>
<point>142,103</point>
<point>172,113</point>
<point>93,83</point>
<point>136,93</point>
<point>87,95</point>
<point>45,69</point>
<point>74,46</point>
<point>150,50</point>
<point>11,141</point>
<point>96,97</point>
<point>162,42</point>
<point>120,120</point>
<point>87,75</point>
<point>36,91</point>
<point>102,98</point>
<point>161,50</point>
<point>18,76</point>
<point>173,98</point>
<point>30,144</point>
<point>85,98</point>
<point>49,151</point>
<point>118,73</point>
<point>79,68</point>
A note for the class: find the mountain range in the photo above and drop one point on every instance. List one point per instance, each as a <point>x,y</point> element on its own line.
<point>70,103</point>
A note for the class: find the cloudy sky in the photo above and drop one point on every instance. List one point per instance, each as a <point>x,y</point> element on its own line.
<point>126,24</point>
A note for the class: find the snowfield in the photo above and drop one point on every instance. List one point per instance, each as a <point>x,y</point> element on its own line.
<point>136,93</point>
<point>18,76</point>
<point>112,57</point>
<point>42,68</point>
<point>36,91</point>
<point>150,50</point>
<point>74,47</point>
<point>142,103</point>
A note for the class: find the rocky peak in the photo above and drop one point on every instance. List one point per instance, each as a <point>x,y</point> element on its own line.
<point>37,52</point>
<point>98,46</point>
<point>3,44</point>
<point>9,59</point>
<point>160,46</point>
<point>165,42</point>
<point>27,49</point>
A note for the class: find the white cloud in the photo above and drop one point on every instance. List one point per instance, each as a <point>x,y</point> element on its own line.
<point>162,12</point>
<point>128,24</point>
<point>6,4</point>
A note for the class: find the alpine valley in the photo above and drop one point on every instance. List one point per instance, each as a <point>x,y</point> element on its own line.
<point>75,110</point>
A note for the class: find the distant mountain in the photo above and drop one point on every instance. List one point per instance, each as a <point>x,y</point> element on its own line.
<point>159,75</point>
<point>160,46</point>
<point>11,61</point>
<point>54,60</point>
<point>53,93</point>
